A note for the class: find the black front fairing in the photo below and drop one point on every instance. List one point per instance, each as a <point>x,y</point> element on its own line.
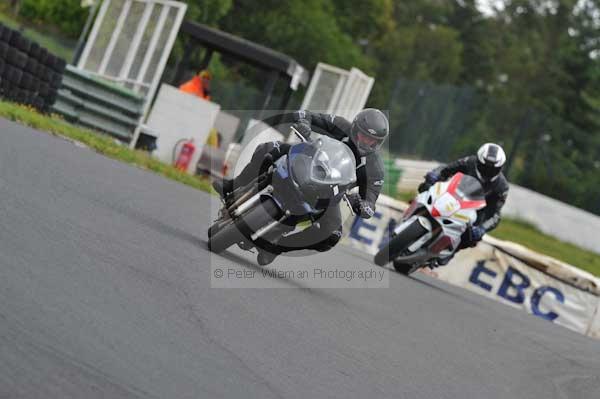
<point>313,176</point>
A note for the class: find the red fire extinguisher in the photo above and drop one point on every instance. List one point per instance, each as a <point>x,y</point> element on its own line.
<point>185,155</point>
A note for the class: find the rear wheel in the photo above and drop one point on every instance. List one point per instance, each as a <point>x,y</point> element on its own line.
<point>400,243</point>
<point>3,50</point>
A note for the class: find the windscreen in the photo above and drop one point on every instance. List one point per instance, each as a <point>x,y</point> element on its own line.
<point>322,162</point>
<point>332,163</point>
<point>470,188</point>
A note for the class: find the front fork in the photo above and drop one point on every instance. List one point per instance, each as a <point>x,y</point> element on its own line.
<point>420,217</point>
<point>246,202</point>
<point>266,229</point>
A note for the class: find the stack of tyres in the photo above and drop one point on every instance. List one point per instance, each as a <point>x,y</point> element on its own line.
<point>29,74</point>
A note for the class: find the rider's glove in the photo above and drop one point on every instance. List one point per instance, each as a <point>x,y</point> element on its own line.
<point>476,234</point>
<point>361,207</point>
<point>430,179</point>
<point>366,210</point>
<point>303,129</point>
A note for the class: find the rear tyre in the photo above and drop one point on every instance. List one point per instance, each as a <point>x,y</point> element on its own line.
<point>20,42</point>
<point>7,35</point>
<point>399,243</point>
<point>2,28</point>
<point>26,81</point>
<point>45,90</point>
<point>16,58</point>
<point>56,81</point>
<point>59,65</point>
<point>3,50</point>
<point>34,51</point>
<point>12,75</point>
<point>31,66</point>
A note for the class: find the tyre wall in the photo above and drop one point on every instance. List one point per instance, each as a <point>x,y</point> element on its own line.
<point>29,74</point>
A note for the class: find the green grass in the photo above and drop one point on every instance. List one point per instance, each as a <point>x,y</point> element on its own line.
<point>530,236</point>
<point>58,46</point>
<point>99,142</point>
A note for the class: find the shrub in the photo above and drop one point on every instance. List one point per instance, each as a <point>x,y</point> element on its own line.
<point>67,15</point>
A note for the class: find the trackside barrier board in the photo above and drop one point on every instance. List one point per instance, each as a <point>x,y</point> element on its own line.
<point>177,117</point>
<point>503,271</point>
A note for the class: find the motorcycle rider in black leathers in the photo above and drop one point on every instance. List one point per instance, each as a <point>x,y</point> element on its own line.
<point>364,135</point>
<point>486,166</point>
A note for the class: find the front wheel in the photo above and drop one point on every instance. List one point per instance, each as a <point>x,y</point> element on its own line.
<point>223,238</point>
<point>400,243</point>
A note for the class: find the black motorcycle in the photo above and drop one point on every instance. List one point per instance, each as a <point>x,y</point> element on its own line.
<point>299,187</point>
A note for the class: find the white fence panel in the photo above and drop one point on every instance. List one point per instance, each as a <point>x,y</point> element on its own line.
<point>130,44</point>
<point>335,90</point>
<point>131,40</point>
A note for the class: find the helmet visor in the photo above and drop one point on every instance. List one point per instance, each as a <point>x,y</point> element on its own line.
<point>367,143</point>
<point>488,171</point>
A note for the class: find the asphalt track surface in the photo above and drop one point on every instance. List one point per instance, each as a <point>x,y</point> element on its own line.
<point>105,293</point>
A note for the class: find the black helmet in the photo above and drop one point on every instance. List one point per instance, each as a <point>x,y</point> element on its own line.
<point>490,161</point>
<point>370,127</point>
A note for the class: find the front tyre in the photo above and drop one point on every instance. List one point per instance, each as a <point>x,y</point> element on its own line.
<point>218,225</point>
<point>220,240</point>
<point>400,243</point>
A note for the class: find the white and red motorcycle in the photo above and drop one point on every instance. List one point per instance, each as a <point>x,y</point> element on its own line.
<point>432,226</point>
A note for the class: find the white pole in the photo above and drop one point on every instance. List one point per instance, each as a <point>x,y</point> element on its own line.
<point>115,37</point>
<point>161,65</point>
<point>311,89</point>
<point>93,35</point>
<point>137,40</point>
<point>366,94</point>
<point>335,98</point>
<point>152,47</point>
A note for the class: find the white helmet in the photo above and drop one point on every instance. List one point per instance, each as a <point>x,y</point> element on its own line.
<point>490,161</point>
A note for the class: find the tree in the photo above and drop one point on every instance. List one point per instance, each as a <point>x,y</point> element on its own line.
<point>304,29</point>
<point>420,46</point>
<point>67,15</point>
<point>480,39</point>
<point>208,12</point>
<point>364,20</point>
